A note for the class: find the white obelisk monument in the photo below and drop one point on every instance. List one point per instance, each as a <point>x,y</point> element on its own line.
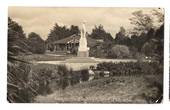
<point>83,50</point>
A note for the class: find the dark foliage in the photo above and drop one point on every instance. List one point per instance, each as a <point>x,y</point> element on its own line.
<point>142,22</point>
<point>84,75</point>
<point>18,89</point>
<point>64,76</point>
<point>60,32</point>
<point>17,42</point>
<point>100,33</point>
<point>101,49</point>
<point>36,43</point>
<point>41,81</point>
<point>131,68</point>
<point>75,77</point>
<point>154,94</point>
<point>121,37</point>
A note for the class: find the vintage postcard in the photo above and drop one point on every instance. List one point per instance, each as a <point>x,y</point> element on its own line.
<point>85,55</point>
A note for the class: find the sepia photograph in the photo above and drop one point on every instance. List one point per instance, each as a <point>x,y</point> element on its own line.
<point>85,55</point>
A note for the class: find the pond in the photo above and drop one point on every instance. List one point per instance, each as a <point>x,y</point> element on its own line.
<point>81,63</point>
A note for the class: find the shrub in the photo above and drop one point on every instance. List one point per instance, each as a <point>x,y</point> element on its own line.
<point>84,75</point>
<point>119,51</point>
<point>131,68</point>
<point>75,77</point>
<point>154,93</point>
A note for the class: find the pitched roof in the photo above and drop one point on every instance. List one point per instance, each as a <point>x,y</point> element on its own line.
<point>69,39</point>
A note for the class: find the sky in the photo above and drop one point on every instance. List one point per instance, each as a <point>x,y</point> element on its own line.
<point>42,19</point>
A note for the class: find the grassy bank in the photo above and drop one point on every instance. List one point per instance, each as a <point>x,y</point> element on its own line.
<point>123,89</point>
<point>130,84</point>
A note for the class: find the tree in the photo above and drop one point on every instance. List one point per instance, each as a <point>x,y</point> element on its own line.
<point>159,13</point>
<point>101,49</point>
<point>121,33</point>
<point>14,26</point>
<point>18,89</point>
<point>136,42</point>
<point>142,22</point>
<point>149,47</point>
<point>17,42</point>
<point>153,44</point>
<point>121,37</point>
<point>74,30</point>
<point>36,43</point>
<point>159,34</point>
<point>139,40</point>
<point>160,44</point>
<point>99,33</point>
<point>60,32</point>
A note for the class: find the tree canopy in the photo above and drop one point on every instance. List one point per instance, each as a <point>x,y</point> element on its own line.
<point>36,42</point>
<point>99,33</point>
<point>17,42</point>
<point>142,22</point>
<point>122,38</point>
<point>60,32</point>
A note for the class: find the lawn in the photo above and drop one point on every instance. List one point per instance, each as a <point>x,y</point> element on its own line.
<point>44,57</point>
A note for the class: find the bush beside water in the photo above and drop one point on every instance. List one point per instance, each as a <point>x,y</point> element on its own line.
<point>131,68</point>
